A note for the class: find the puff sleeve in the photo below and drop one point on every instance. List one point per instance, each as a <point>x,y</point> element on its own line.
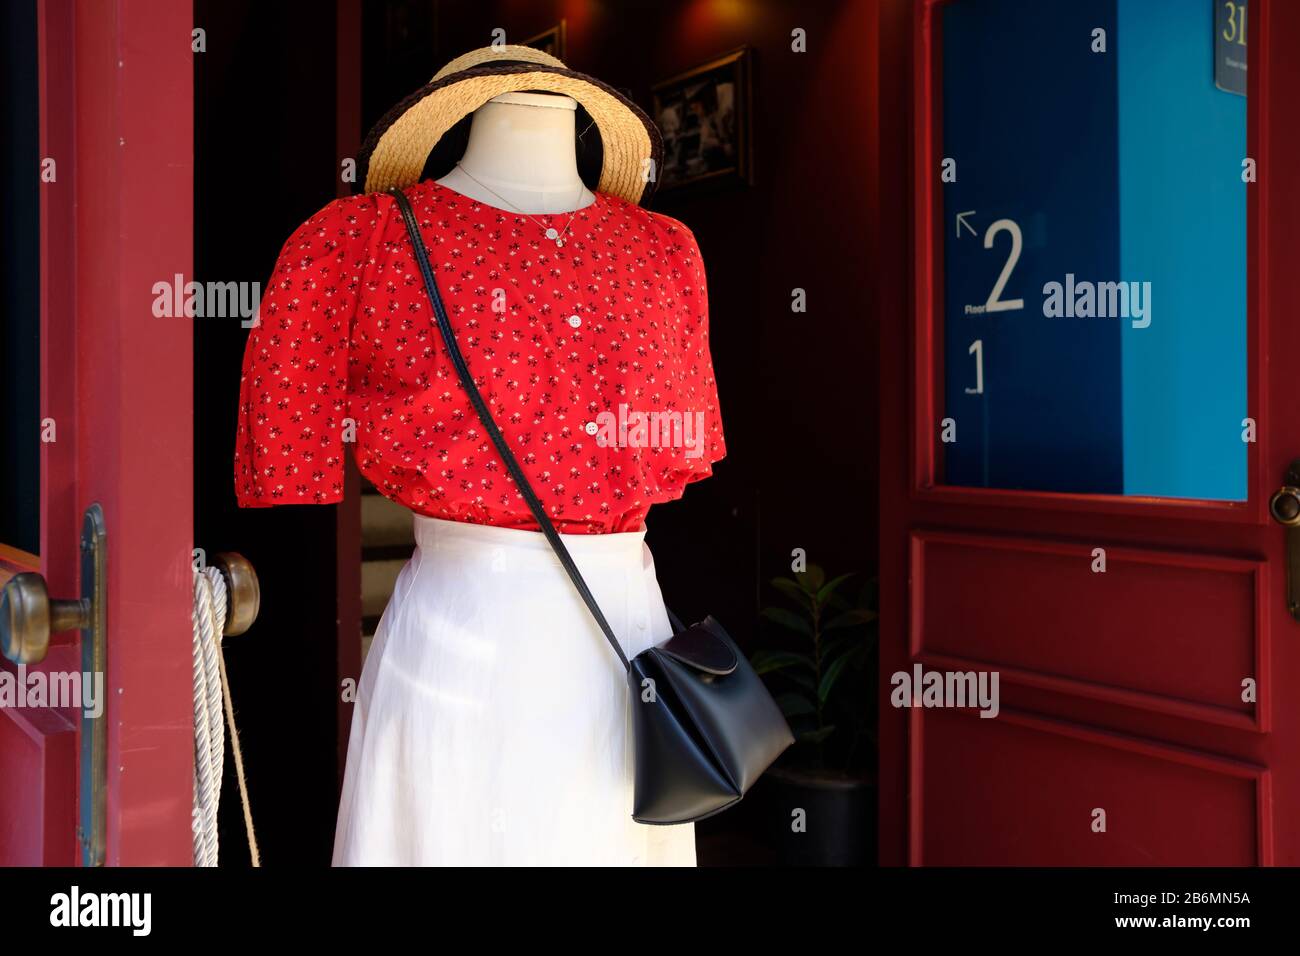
<point>293,392</point>
<point>700,385</point>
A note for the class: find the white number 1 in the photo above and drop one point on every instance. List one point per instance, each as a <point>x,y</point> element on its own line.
<point>977,349</point>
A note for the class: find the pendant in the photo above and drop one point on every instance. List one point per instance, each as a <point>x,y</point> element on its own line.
<point>552,233</point>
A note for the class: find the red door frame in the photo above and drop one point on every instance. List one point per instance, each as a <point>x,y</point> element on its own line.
<point>116,117</point>
<point>915,507</point>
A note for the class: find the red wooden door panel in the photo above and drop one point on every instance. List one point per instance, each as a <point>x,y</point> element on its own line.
<point>1154,691</point>
<point>116,119</point>
<point>1037,779</point>
<point>38,787</point>
<point>1197,619</point>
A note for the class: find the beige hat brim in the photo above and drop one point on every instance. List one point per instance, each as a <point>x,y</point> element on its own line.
<point>395,151</point>
<point>497,54</point>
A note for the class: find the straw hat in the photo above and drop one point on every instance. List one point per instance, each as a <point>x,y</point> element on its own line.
<point>395,151</point>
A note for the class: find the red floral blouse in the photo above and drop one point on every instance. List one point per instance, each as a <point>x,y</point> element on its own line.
<point>592,354</point>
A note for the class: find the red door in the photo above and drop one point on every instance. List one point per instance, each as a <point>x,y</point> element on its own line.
<point>1131,598</point>
<point>115,418</point>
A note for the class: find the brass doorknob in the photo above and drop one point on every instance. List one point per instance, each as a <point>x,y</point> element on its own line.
<point>243,593</point>
<point>1284,506</point>
<point>28,617</point>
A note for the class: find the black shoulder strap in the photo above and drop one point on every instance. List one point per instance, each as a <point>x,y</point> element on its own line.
<point>480,406</point>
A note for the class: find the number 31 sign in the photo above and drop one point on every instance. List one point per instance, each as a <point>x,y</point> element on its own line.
<point>1230,46</point>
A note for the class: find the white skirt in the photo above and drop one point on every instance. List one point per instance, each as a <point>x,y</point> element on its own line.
<point>493,721</point>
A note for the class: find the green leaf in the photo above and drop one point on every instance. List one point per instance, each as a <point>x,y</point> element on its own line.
<point>834,605</point>
<point>830,676</point>
<point>795,705</point>
<point>766,662</point>
<point>779,615</point>
<point>853,618</point>
<point>792,590</point>
<point>823,595</point>
<point>811,580</point>
<point>834,647</point>
<point>816,736</point>
<point>802,678</point>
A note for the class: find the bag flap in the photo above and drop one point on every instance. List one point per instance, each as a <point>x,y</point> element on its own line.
<point>700,646</point>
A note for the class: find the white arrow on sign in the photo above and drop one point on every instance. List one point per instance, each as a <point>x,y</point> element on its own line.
<point>961,221</point>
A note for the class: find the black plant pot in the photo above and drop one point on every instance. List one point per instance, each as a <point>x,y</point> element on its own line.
<point>839,817</point>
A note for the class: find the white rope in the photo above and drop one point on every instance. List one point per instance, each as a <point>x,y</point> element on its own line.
<point>212,702</point>
<point>207,772</point>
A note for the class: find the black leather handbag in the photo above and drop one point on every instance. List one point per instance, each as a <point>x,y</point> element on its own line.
<point>704,725</point>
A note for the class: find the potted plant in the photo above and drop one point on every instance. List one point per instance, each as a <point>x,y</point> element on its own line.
<point>818,800</point>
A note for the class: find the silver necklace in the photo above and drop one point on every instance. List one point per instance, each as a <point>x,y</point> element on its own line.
<point>556,235</point>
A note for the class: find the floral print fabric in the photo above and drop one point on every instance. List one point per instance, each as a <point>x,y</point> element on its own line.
<point>593,355</point>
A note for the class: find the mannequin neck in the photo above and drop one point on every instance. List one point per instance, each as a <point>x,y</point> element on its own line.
<point>521,156</point>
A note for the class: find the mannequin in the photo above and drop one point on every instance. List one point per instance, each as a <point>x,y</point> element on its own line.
<point>522,146</point>
<point>492,722</point>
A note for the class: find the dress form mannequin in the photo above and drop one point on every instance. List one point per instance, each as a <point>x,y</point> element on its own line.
<point>522,149</point>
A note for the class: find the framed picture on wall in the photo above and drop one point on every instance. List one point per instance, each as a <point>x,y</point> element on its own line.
<point>704,115</point>
<point>550,41</point>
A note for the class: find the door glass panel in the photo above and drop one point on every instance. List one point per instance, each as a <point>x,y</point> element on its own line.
<point>20,272</point>
<point>1094,246</point>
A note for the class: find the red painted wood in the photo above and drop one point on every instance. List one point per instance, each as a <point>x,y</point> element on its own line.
<point>116,116</point>
<point>1035,784</point>
<point>38,788</point>
<point>134,185</point>
<point>893,255</point>
<point>1167,631</point>
<point>38,747</point>
<point>60,512</point>
<point>1118,690</point>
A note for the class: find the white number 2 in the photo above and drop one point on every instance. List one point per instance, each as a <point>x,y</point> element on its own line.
<point>995,303</point>
<point>977,349</point>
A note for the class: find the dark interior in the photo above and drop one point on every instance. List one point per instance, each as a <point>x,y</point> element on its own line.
<point>797,388</point>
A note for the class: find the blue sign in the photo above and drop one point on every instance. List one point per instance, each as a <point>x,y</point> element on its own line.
<point>1094,303</point>
<point>1230,45</point>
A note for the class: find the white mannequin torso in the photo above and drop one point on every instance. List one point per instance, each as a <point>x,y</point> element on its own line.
<point>521,156</point>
